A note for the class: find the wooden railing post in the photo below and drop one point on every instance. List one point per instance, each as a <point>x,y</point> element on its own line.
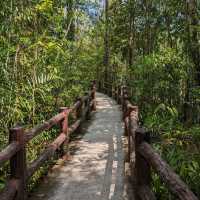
<point>127,132</point>
<point>115,92</point>
<point>111,88</point>
<point>79,110</point>
<point>130,125</point>
<point>142,167</point>
<point>100,86</point>
<point>18,167</point>
<point>133,126</point>
<point>64,129</point>
<point>119,94</point>
<point>87,106</point>
<point>125,97</point>
<point>93,95</point>
<point>126,122</point>
<point>104,87</point>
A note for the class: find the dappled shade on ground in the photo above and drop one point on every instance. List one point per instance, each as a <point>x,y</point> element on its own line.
<point>96,169</point>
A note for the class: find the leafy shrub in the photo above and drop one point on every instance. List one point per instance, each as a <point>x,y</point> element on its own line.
<point>158,79</point>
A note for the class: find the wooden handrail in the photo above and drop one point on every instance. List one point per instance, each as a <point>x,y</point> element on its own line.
<point>30,134</point>
<point>168,176</point>
<point>10,190</point>
<point>8,152</point>
<point>15,152</point>
<point>143,157</point>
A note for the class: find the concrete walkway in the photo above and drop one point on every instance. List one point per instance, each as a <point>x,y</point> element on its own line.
<point>96,168</point>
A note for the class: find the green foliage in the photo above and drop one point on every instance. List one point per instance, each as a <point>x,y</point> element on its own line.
<point>184,158</point>
<point>160,77</point>
<point>45,6</point>
<point>159,82</point>
<point>163,118</point>
<point>42,67</point>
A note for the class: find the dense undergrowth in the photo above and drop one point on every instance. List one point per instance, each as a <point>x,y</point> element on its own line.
<point>48,59</point>
<point>159,84</point>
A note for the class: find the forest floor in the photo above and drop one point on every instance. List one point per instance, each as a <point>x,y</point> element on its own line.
<point>96,168</point>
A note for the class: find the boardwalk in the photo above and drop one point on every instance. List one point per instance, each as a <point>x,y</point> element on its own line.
<point>96,169</point>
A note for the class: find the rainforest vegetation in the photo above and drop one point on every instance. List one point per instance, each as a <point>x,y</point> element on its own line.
<point>51,50</point>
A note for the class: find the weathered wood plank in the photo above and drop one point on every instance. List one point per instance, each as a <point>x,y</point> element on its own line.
<point>73,127</point>
<point>36,164</point>
<point>18,168</point>
<point>30,134</point>
<point>47,154</point>
<point>8,152</point>
<point>142,167</point>
<point>10,190</point>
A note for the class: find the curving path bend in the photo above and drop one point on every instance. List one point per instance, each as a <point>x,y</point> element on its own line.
<point>96,169</point>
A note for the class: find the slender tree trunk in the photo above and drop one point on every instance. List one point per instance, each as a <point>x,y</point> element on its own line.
<point>131,32</point>
<point>147,27</point>
<point>106,41</point>
<point>70,21</point>
<point>192,47</point>
<point>194,40</point>
<point>168,23</point>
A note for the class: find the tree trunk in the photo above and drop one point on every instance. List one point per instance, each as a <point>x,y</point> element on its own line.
<point>106,42</point>
<point>70,21</point>
<point>194,42</point>
<point>131,32</point>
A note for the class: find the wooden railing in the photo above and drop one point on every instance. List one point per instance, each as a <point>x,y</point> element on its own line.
<point>142,157</point>
<point>15,152</point>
